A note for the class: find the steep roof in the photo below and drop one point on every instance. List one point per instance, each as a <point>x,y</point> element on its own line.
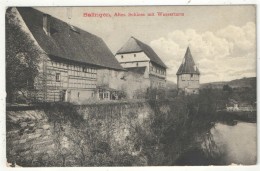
<point>135,45</point>
<point>68,42</point>
<point>188,65</point>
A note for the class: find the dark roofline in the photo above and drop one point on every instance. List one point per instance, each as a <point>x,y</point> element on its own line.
<point>82,63</point>
<point>188,73</point>
<point>140,42</point>
<point>58,58</point>
<point>129,52</point>
<point>101,58</point>
<point>154,63</point>
<point>136,67</point>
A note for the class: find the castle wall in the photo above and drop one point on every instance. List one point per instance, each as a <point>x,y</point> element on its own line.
<point>129,82</point>
<point>188,82</point>
<point>157,82</point>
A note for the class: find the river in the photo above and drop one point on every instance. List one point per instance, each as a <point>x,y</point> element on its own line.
<point>237,143</point>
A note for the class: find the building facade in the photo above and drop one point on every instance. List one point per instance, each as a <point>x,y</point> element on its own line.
<point>70,58</point>
<point>136,56</point>
<point>188,75</point>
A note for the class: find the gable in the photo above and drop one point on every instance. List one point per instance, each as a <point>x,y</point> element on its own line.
<point>134,45</point>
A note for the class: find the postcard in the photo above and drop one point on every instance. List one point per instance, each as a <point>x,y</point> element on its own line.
<point>96,86</point>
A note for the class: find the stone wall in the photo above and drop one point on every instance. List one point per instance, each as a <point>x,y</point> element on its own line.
<point>67,135</point>
<point>29,137</point>
<point>133,84</point>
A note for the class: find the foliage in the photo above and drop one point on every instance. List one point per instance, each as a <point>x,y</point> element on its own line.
<point>184,126</point>
<point>154,93</point>
<point>245,95</point>
<point>172,129</point>
<point>22,59</point>
<point>78,143</point>
<point>122,95</point>
<point>227,88</point>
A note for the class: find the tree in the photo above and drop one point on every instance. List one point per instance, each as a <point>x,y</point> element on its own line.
<point>227,88</point>
<point>22,57</point>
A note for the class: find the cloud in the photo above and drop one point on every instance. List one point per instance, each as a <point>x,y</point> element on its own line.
<point>226,54</point>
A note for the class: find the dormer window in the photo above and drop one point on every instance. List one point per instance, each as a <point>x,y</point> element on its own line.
<point>46,24</point>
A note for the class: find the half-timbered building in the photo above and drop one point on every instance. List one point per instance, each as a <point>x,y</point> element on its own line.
<point>71,58</point>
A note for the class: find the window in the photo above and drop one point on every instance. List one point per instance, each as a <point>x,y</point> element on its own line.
<point>122,56</point>
<point>136,63</point>
<point>134,55</point>
<point>58,77</point>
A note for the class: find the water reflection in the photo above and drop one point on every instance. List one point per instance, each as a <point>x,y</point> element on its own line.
<point>236,143</point>
<point>226,143</point>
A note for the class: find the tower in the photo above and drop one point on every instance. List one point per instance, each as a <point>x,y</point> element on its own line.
<point>188,75</point>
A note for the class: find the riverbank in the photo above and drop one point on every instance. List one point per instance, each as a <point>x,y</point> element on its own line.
<point>231,116</point>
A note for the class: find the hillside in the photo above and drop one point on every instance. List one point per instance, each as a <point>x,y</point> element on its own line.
<point>238,83</point>
<point>171,85</point>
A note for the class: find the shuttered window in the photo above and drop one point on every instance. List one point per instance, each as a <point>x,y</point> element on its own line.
<point>58,77</point>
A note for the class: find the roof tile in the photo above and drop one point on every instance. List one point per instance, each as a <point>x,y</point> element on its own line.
<point>135,45</point>
<point>188,65</point>
<point>68,42</point>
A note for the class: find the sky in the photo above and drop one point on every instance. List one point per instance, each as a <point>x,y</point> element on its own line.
<point>222,39</point>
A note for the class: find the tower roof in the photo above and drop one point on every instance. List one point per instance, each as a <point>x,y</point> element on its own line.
<point>188,65</point>
<point>134,45</point>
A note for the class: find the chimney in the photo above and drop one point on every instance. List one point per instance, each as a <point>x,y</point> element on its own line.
<point>69,12</point>
<point>46,24</point>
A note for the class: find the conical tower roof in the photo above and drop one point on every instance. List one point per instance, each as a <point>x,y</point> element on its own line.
<point>188,65</point>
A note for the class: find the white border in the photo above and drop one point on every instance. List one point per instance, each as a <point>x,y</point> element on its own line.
<point>5,3</point>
